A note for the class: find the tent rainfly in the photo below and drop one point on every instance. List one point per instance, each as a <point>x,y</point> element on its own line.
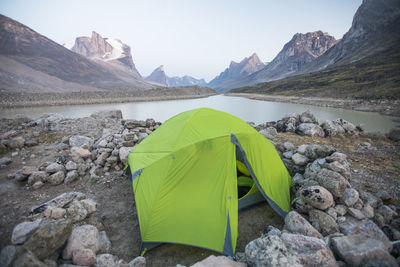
<point>185,183</point>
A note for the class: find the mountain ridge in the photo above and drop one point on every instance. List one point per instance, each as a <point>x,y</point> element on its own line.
<point>159,77</point>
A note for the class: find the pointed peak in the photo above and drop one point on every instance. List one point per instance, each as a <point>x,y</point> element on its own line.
<point>161,68</point>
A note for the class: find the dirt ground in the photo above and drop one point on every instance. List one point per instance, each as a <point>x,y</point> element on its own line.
<point>374,169</point>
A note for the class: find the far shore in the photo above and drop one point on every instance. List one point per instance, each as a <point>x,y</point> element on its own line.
<point>383,106</point>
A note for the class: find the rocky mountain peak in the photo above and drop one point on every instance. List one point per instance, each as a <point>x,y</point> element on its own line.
<point>160,78</point>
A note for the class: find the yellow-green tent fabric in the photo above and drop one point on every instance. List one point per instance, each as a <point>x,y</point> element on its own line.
<point>184,179</point>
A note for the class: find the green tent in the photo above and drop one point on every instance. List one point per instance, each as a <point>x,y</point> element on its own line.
<point>185,182</point>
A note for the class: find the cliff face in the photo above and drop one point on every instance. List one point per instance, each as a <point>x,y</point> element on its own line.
<point>235,72</point>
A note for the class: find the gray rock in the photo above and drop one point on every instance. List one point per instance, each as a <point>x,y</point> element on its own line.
<point>101,159</point>
<point>271,230</point>
<point>90,205</point>
<point>23,231</point>
<point>38,176</point>
<point>9,254</point>
<point>288,146</point>
<point>112,159</point>
<point>336,156</point>
<point>115,114</point>
<point>310,129</point>
<point>394,134</point>
<point>290,127</point>
<point>312,170</point>
<point>336,166</point>
<point>302,149</point>
<point>291,167</point>
<point>137,262</point>
<point>332,128</point>
<point>141,136</point>
<point>311,251</point>
<point>71,176</point>
<point>76,212</point>
<point>317,196</point>
<point>323,222</point>
<point>5,161</point>
<point>27,258</point>
<point>60,147</point>
<point>288,154</point>
<point>311,151</point>
<point>269,133</point>
<point>83,257</point>
<point>81,141</point>
<point>365,227</point>
<point>368,211</point>
<point>270,251</point>
<point>60,202</point>
<point>307,117</point>
<point>332,212</point>
<point>392,233</point>
<point>333,181</point>
<point>350,197</point>
<point>356,250</point>
<point>325,150</point>
<point>71,166</point>
<point>123,153</point>
<point>370,199</point>
<point>50,236</point>
<point>356,213</point>
<point>300,206</point>
<point>341,210</point>
<point>299,159</point>
<point>104,243</point>
<point>105,260</point>
<point>295,223</point>
<point>55,167</point>
<point>347,126</point>
<point>218,261</point>
<point>82,237</point>
<point>56,178</point>
<point>80,152</point>
<point>386,212</point>
<point>17,142</point>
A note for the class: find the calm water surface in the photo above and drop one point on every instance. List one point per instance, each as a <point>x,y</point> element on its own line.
<point>247,109</point>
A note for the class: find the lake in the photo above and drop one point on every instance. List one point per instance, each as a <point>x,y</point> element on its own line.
<point>247,109</point>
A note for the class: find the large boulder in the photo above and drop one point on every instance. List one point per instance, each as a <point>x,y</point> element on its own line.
<point>296,223</point>
<point>270,251</point>
<point>311,251</point>
<point>333,181</point>
<point>222,261</point>
<point>49,237</point>
<point>360,250</point>
<point>82,237</point>
<point>23,231</point>
<point>310,129</point>
<point>317,196</point>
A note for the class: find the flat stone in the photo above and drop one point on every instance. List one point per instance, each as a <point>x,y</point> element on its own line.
<point>59,201</point>
<point>338,167</point>
<point>317,196</point>
<point>356,213</point>
<point>289,146</point>
<point>368,211</point>
<point>295,223</point>
<point>336,156</point>
<point>302,149</point>
<point>23,231</point>
<point>54,212</point>
<point>54,167</point>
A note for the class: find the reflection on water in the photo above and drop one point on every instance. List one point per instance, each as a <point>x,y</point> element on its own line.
<point>246,109</point>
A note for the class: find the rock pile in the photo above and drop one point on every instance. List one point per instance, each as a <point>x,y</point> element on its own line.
<point>307,124</point>
<point>94,156</point>
<point>62,232</point>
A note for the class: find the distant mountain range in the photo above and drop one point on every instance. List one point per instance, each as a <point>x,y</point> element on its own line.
<point>33,63</point>
<point>364,64</point>
<point>158,77</point>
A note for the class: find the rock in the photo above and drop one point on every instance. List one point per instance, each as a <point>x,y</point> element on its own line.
<point>341,210</point>
<point>54,212</point>
<point>370,199</point>
<point>17,142</point>
<point>105,260</point>
<point>23,231</point>
<point>56,178</point>
<point>295,223</point>
<point>37,185</point>
<point>50,236</point>
<point>288,146</point>
<point>71,176</point>
<point>332,181</point>
<point>302,149</point>
<point>350,197</point>
<point>269,133</point>
<point>222,261</point>
<point>269,251</point>
<point>82,237</point>
<point>76,212</point>
<point>112,160</point>
<point>5,161</point>
<point>391,233</point>
<point>355,213</point>
<point>80,152</point>
<point>317,196</point>
<point>332,128</point>
<point>307,117</point>
<point>102,143</point>
<point>55,167</point>
<point>356,250</point>
<point>38,176</point>
<point>27,258</point>
<point>271,230</point>
<point>104,243</point>
<point>141,136</point>
<point>81,141</point>
<point>60,202</point>
<point>83,257</point>
<point>368,211</point>
<point>291,167</point>
<point>297,178</point>
<point>123,153</point>
<point>347,126</point>
<point>71,166</point>
<point>311,151</point>
<point>386,212</point>
<point>325,150</point>
<point>336,156</point>
<point>332,212</point>
<point>311,251</point>
<point>288,154</point>
<point>299,159</point>
<point>323,222</point>
<point>60,147</point>
<point>312,170</point>
<point>310,129</point>
<point>336,166</point>
<point>101,159</point>
<point>300,206</point>
<point>9,254</point>
<point>394,134</point>
<point>137,262</point>
<point>89,205</point>
<point>107,114</point>
<point>364,227</point>
<point>19,177</point>
<point>290,127</point>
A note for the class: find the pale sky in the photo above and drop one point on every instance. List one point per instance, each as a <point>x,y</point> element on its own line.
<point>196,38</point>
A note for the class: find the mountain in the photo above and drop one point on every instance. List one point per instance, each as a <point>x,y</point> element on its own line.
<point>236,71</point>
<point>298,52</point>
<point>159,78</point>
<point>31,62</point>
<point>105,49</point>
<point>364,64</point>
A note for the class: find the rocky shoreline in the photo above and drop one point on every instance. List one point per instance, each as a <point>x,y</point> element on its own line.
<point>78,208</point>
<point>15,99</point>
<point>385,107</point>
